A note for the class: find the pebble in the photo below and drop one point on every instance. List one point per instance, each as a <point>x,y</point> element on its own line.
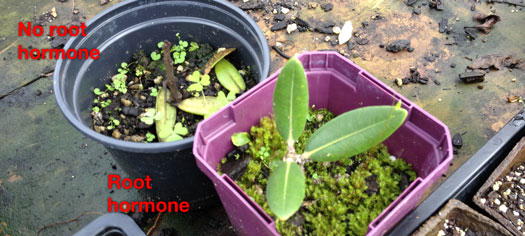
<point>496,185</point>
<point>313,5</point>
<point>399,82</point>
<point>336,30</point>
<point>327,7</point>
<point>327,38</point>
<point>180,68</point>
<point>439,100</point>
<point>291,28</point>
<point>513,80</point>
<point>503,208</point>
<point>285,10</point>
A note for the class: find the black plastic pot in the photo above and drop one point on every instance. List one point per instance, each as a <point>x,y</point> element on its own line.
<point>123,29</point>
<point>468,178</point>
<point>111,224</point>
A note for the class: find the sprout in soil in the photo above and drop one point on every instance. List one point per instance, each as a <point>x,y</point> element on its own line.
<point>149,137</point>
<point>97,92</point>
<point>346,135</point>
<point>199,82</point>
<point>154,92</point>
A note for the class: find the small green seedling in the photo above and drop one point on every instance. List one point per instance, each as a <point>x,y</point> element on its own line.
<point>179,51</point>
<point>97,92</point>
<point>346,135</point>
<point>240,139</point>
<point>199,82</point>
<point>119,83</point>
<point>113,123</point>
<point>223,99</point>
<point>106,103</point>
<point>96,109</point>
<point>148,117</point>
<point>193,46</point>
<point>123,68</point>
<point>154,92</point>
<point>149,137</point>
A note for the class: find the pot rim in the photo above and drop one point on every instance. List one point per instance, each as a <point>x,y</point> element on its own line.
<point>129,146</point>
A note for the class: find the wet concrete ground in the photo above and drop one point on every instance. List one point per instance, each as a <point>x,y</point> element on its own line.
<point>49,172</point>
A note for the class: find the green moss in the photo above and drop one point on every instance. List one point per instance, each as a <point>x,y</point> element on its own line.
<point>338,199</point>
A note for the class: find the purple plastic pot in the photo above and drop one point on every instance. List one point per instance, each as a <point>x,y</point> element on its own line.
<point>339,85</point>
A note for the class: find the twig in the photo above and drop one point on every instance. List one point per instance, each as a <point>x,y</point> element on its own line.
<point>172,82</point>
<point>150,230</point>
<point>281,53</point>
<point>67,221</point>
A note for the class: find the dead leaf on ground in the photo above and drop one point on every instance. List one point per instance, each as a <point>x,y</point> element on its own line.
<point>513,98</point>
<point>14,178</point>
<point>487,22</point>
<point>498,61</point>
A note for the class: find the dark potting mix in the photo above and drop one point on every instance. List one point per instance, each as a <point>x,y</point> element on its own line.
<point>162,95</point>
<point>506,196</point>
<point>342,197</point>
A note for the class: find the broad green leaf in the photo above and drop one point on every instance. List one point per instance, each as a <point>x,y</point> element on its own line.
<point>205,80</point>
<point>229,76</point>
<point>173,137</point>
<point>160,44</point>
<point>285,189</point>
<point>240,139</point>
<point>180,129</point>
<point>194,87</point>
<point>354,132</point>
<point>195,77</point>
<point>218,56</point>
<point>231,96</point>
<point>290,101</point>
<point>168,116</point>
<point>201,106</point>
<point>155,56</point>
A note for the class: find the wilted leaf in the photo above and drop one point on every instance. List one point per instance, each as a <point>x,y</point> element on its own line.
<point>167,116</point>
<point>240,139</point>
<point>201,106</point>
<point>285,190</point>
<point>497,61</point>
<point>488,21</point>
<point>290,101</point>
<point>354,132</point>
<point>219,55</point>
<point>229,76</point>
<point>346,33</point>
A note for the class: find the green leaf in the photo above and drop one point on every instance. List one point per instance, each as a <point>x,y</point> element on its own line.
<point>205,80</point>
<point>285,189</point>
<point>354,132</point>
<point>168,116</point>
<point>97,91</point>
<point>222,99</point>
<point>231,96</point>
<point>147,120</point>
<point>160,44</point>
<point>173,137</point>
<point>240,139</point>
<point>155,56</point>
<point>229,76</point>
<point>195,76</point>
<point>180,129</point>
<point>290,101</point>
<point>202,106</point>
<point>218,56</point>
<point>194,87</point>
<point>193,46</point>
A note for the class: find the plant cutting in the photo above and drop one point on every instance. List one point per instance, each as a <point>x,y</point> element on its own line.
<point>240,147</point>
<point>321,141</point>
<point>140,104</point>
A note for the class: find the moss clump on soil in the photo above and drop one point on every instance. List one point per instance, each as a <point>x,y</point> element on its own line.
<point>342,197</point>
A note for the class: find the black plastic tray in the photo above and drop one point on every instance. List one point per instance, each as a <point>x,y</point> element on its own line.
<point>468,178</point>
<point>111,224</point>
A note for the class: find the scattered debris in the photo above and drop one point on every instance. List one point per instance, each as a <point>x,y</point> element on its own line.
<point>313,5</point>
<point>497,61</point>
<point>281,53</point>
<point>436,4</point>
<point>415,77</point>
<point>54,12</point>
<point>443,25</point>
<point>362,41</point>
<point>487,22</point>
<point>399,82</point>
<point>457,141</point>
<point>398,45</point>
<point>346,33</point>
<point>514,98</point>
<point>327,7</point>
<point>279,26</point>
<point>472,77</point>
<point>291,28</point>
<point>480,86</point>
